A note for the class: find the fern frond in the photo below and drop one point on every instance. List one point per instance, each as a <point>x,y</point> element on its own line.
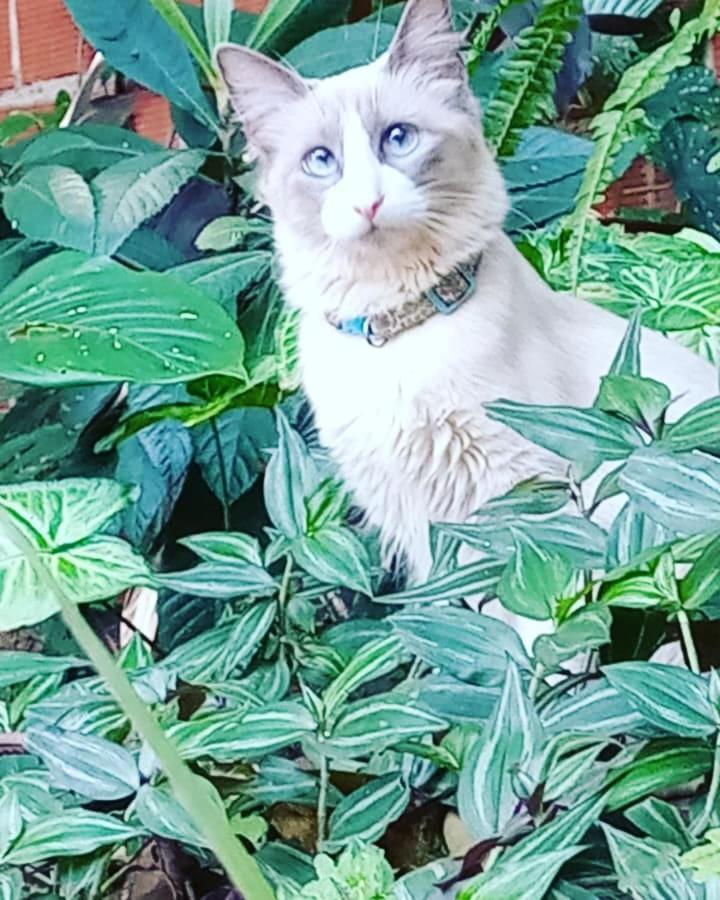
<point>527,78</point>
<point>622,119</point>
<point>482,35</point>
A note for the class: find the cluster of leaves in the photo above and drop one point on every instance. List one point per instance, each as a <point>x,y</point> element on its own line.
<point>325,732</point>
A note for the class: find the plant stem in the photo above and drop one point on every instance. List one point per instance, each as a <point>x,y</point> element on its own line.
<point>688,641</point>
<point>322,801</point>
<point>241,868</point>
<point>704,818</point>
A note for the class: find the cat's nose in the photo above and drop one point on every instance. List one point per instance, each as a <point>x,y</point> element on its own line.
<point>369,212</point>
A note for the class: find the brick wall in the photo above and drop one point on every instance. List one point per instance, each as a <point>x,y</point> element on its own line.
<point>42,52</point>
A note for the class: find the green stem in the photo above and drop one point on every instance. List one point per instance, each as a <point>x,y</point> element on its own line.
<point>241,868</point>
<point>703,819</point>
<point>688,641</point>
<point>322,802</point>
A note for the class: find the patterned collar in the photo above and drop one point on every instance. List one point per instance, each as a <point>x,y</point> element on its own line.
<point>451,291</point>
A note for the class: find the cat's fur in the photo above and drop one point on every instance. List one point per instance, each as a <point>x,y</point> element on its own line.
<point>405,422</point>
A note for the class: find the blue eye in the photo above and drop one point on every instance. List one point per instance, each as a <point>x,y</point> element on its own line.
<point>320,162</point>
<point>399,139</point>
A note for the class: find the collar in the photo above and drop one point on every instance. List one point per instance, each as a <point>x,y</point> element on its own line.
<point>450,292</point>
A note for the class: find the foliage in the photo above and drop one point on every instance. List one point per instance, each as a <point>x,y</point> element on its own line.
<point>300,724</point>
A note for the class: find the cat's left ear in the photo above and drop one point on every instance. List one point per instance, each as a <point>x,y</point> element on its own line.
<point>426,36</point>
<point>259,87</point>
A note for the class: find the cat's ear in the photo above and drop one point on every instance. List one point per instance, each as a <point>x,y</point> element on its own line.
<point>425,35</point>
<point>258,88</point>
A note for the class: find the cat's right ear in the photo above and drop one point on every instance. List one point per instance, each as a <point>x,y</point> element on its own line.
<point>258,88</point>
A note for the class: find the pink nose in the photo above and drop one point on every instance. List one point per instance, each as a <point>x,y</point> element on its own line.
<point>370,212</point>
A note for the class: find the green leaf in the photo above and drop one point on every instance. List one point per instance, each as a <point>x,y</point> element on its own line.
<point>467,645</point>
<point>224,547</point>
<point>698,429</point>
<point>534,579</point>
<point>58,520</point>
<point>228,232</point>
<point>227,737</point>
<point>585,437</point>
<point>161,814</point>
<point>455,700</point>
<point>335,555</point>
<point>372,661</point>
<point>667,696</point>
<point>134,190</point>
<point>626,361</point>
<point>137,40</point>
<point>284,23</point>
<point>701,585</point>
<point>290,478</point>
<point>11,884</point>
<point>90,766</point>
<point>366,813</point>
<point>509,743</point>
<point>641,400</point>
<point>369,726</point>
<point>55,204</point>
<point>17,666</point>
<point>334,50</point>
<point>526,80</point>
<point>225,275</point>
<point>69,318</point>
<point>585,630</point>
<point>680,491</point>
<point>596,709</point>
<point>50,837</point>
<point>219,580</point>
<point>11,820</point>
<point>661,821</point>
<point>472,580</point>
<point>655,770</point>
<point>528,879</point>
<point>217,17</point>
<point>704,859</point>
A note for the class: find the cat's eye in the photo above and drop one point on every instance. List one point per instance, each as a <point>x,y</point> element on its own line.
<point>399,139</point>
<point>320,162</point>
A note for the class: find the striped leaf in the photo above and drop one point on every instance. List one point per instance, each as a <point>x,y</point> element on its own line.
<point>596,709</point>
<point>219,579</point>
<point>372,725</point>
<point>527,879</point>
<point>11,820</point>
<point>534,579</point>
<point>657,769</point>
<point>290,478</point>
<point>475,579</point>
<point>17,666</point>
<point>372,661</point>
<point>224,546</point>
<point>84,763</point>
<point>566,829</point>
<point>698,429</point>
<point>162,814</point>
<point>668,697</point>
<point>510,742</point>
<point>365,814</point>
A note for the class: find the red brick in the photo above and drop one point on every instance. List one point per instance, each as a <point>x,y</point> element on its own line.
<point>6,78</point>
<point>151,117</point>
<point>49,42</point>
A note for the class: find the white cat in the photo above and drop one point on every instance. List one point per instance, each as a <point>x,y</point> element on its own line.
<point>380,184</point>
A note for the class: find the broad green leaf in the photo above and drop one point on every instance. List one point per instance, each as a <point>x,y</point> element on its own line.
<point>585,437</point>
<point>467,645</point>
<point>369,726</point>
<point>55,204</point>
<point>284,23</point>
<point>227,737</point>
<point>634,592</point>
<point>700,587</point>
<point>161,814</point>
<point>227,232</point>
<point>219,579</point>
<point>224,547</point>
<point>57,521</point>
<point>86,148</point>
<point>566,829</point>
<point>472,580</point>
<point>457,701</point>
<point>372,661</point>
<point>698,429</point>
<point>333,50</point>
<point>534,579</point>
<point>661,821</point>
<point>704,860</point>
<point>91,766</point>
<point>51,837</point>
<point>134,190</point>
<point>17,665</point>
<point>217,16</point>
<point>641,400</point>
<point>224,276</point>
<point>527,879</point>
<point>334,555</point>
<point>597,708</point>
<point>658,768</point>
<point>224,650</point>
<point>678,490</point>
<point>670,697</point>
<point>631,533</point>
<point>137,40</point>
<point>587,629</point>
<point>509,742</point>
<point>290,478</point>
<point>70,319</point>
<point>281,780</point>
<point>366,813</point>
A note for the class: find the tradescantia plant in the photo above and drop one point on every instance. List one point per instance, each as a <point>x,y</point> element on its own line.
<point>205,674</point>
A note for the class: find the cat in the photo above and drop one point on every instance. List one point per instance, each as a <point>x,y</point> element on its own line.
<point>381,187</point>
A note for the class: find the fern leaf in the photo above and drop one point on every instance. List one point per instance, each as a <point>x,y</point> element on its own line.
<point>527,78</point>
<point>623,119</point>
<point>482,35</point>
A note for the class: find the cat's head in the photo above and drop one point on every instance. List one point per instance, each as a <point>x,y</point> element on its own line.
<point>382,159</point>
